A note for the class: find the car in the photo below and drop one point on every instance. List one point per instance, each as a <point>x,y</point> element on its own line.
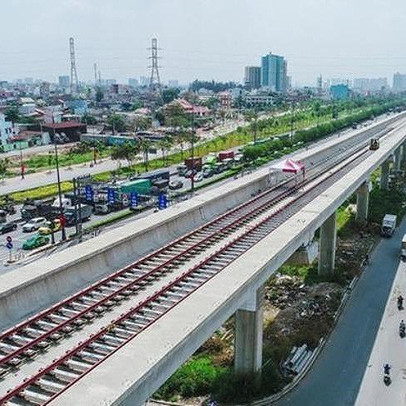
<point>175,184</point>
<point>35,241</point>
<point>34,224</point>
<point>7,227</point>
<point>198,177</point>
<point>207,173</point>
<point>46,229</point>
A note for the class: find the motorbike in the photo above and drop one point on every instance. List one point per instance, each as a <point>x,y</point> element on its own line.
<point>402,331</point>
<point>386,380</point>
<point>400,303</point>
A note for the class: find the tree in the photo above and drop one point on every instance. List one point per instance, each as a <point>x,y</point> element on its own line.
<point>144,147</point>
<point>99,95</point>
<point>165,145</point>
<point>88,119</point>
<point>252,117</point>
<point>317,109</point>
<point>175,116</point>
<point>12,114</point>
<point>4,165</point>
<point>168,95</point>
<point>117,122</point>
<point>142,123</point>
<point>127,151</point>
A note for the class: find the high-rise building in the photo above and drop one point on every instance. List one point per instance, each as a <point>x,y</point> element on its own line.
<point>64,81</point>
<point>252,77</point>
<point>133,82</point>
<point>173,83</point>
<point>370,85</point>
<point>144,81</point>
<point>399,82</point>
<point>274,73</point>
<point>340,92</point>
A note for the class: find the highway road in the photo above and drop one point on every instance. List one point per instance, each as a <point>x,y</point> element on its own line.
<point>33,180</point>
<point>335,377</point>
<point>389,347</point>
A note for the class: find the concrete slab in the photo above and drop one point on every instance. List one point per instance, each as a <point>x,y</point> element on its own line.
<point>47,281</point>
<point>140,367</point>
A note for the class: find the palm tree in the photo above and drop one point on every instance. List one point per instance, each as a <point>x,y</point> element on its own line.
<point>144,147</point>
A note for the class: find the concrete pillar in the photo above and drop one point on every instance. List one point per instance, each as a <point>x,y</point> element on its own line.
<point>362,203</point>
<point>384,184</point>
<point>248,335</point>
<point>398,158</point>
<point>327,254</point>
<point>403,156</point>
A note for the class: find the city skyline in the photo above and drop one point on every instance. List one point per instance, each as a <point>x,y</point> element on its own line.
<point>317,37</point>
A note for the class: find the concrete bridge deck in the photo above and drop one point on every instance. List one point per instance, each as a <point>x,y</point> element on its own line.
<point>140,367</point>
<point>33,287</point>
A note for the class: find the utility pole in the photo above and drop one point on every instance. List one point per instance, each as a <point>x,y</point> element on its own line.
<point>21,161</point>
<point>292,119</point>
<point>74,83</point>
<point>193,155</point>
<point>155,81</point>
<point>59,189</point>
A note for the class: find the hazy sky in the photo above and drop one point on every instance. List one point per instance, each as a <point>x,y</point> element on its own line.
<point>206,39</point>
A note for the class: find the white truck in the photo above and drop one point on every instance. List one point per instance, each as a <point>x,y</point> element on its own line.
<point>388,225</point>
<point>403,248</point>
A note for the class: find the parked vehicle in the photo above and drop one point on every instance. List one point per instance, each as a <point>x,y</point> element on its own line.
<point>175,184</point>
<point>38,208</point>
<point>228,163</point>
<point>101,208</point>
<point>161,184</point>
<point>403,248</point>
<point>226,155</point>
<point>3,216</point>
<point>388,225</point>
<point>34,224</point>
<point>218,167</point>
<point>49,227</point>
<point>155,175</point>
<point>194,163</point>
<point>35,241</point>
<point>207,172</point>
<point>83,214</point>
<point>198,177</point>
<point>181,169</point>
<point>140,186</point>
<point>210,160</point>
<point>7,227</point>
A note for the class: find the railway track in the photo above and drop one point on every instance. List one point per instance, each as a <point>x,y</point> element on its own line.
<point>35,335</point>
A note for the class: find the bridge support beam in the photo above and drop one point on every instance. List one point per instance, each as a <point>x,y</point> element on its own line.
<point>398,158</point>
<point>327,253</point>
<point>362,203</point>
<point>384,183</point>
<point>248,335</point>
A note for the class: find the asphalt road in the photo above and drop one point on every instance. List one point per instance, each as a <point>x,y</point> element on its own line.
<point>389,348</point>
<point>335,377</point>
<point>33,180</point>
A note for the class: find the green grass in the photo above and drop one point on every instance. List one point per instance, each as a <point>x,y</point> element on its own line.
<point>41,192</point>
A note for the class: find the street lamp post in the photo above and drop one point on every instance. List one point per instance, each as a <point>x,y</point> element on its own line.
<point>292,120</point>
<point>21,162</point>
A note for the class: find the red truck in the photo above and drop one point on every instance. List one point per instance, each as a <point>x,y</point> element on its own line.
<point>194,163</point>
<point>226,155</point>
